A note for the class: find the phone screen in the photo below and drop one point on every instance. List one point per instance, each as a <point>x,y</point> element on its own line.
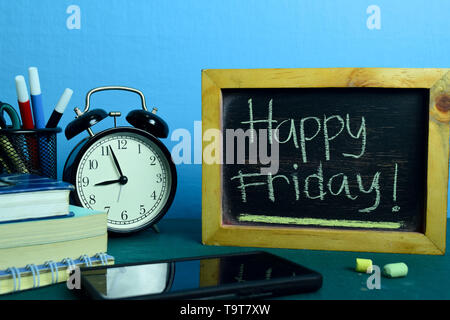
<point>118,282</point>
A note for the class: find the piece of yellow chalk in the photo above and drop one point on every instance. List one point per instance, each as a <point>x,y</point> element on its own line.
<point>395,270</point>
<point>363,265</point>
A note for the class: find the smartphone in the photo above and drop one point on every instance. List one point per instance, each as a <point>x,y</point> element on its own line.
<point>248,275</point>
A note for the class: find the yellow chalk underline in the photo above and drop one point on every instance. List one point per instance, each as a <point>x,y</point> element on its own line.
<point>319,222</point>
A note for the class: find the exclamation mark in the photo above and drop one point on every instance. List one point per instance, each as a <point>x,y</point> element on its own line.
<point>394,193</point>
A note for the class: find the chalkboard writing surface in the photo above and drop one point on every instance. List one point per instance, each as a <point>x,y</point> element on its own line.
<point>363,158</point>
<point>365,166</point>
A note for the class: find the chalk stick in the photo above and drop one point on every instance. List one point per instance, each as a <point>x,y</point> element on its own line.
<point>395,270</point>
<point>363,265</point>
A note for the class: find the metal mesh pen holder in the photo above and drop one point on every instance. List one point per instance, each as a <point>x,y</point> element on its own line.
<point>29,151</point>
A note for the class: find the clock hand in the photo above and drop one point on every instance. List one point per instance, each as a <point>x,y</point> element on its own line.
<point>104,183</point>
<point>120,191</point>
<point>122,180</point>
<point>116,162</point>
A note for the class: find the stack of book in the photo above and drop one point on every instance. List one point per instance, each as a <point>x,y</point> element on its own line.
<point>41,235</point>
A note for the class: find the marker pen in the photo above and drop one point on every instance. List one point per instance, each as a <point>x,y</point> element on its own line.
<point>36,98</point>
<point>59,109</point>
<point>24,102</point>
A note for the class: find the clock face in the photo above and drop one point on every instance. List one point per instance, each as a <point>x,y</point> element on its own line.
<point>127,175</point>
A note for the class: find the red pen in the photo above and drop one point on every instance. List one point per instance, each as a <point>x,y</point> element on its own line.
<point>24,103</point>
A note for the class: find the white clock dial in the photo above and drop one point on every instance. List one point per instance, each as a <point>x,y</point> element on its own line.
<point>126,175</point>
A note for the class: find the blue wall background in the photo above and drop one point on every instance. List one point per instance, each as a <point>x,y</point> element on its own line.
<point>160,47</point>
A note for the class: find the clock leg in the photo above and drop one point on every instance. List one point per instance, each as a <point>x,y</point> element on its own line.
<point>155,228</point>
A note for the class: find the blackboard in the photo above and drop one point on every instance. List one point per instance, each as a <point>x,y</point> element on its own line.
<point>351,158</point>
<point>362,159</point>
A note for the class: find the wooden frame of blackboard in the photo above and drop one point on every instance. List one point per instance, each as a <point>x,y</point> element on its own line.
<point>431,241</point>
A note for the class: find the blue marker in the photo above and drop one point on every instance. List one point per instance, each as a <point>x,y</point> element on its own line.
<point>45,165</point>
<point>36,98</point>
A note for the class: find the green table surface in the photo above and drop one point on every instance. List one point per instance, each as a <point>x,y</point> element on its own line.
<point>428,277</point>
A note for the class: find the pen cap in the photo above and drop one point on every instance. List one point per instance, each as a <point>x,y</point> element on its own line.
<point>21,88</point>
<point>35,85</point>
<point>64,100</point>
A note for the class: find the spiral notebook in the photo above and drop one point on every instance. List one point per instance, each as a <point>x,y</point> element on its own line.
<point>35,276</point>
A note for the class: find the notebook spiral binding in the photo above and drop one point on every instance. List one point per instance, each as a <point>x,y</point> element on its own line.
<point>36,275</point>
<point>53,267</point>
<point>87,260</point>
<point>103,257</point>
<point>16,276</point>
<point>70,264</point>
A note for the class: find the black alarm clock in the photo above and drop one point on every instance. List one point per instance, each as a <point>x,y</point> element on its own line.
<point>124,171</point>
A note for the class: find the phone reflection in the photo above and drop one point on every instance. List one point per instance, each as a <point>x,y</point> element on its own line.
<point>117,283</point>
